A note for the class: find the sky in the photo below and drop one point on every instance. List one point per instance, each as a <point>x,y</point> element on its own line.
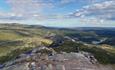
<point>59,13</point>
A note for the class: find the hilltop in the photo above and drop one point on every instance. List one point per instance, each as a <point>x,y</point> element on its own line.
<point>23,39</point>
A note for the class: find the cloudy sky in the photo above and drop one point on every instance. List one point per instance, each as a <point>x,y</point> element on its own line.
<point>59,13</point>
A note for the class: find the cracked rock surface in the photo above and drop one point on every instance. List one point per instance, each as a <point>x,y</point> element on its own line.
<point>63,61</point>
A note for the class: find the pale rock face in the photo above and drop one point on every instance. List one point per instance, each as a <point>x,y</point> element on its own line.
<point>64,61</point>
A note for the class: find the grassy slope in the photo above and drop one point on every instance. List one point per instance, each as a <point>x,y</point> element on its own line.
<point>20,37</point>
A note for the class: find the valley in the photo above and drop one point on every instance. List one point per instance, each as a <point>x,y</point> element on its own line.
<point>79,48</point>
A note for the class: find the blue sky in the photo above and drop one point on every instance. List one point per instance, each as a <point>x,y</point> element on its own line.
<point>4,6</point>
<point>59,13</point>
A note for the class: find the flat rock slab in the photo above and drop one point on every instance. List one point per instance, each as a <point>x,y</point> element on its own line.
<point>65,61</point>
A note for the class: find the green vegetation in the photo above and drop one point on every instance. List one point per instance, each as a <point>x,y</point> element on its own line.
<point>45,51</point>
<point>104,56</point>
<point>8,36</point>
<point>68,46</point>
<point>21,38</point>
<point>10,52</point>
<point>13,54</point>
<point>16,39</point>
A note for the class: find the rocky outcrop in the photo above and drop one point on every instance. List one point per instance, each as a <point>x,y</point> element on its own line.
<point>62,61</point>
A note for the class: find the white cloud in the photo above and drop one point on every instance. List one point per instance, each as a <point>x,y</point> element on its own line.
<point>29,9</point>
<point>25,9</point>
<point>33,9</point>
<point>28,6</point>
<point>79,1</point>
<point>104,10</point>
